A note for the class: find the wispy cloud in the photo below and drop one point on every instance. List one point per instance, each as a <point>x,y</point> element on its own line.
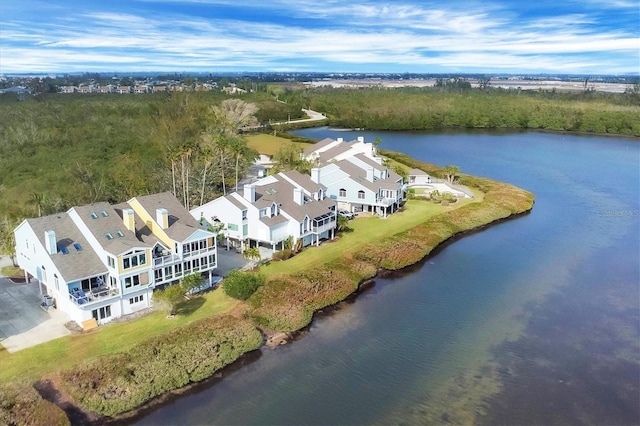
<point>210,35</point>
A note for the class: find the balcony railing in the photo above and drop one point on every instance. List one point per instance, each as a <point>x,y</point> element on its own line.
<point>198,252</point>
<point>166,260</point>
<point>81,297</point>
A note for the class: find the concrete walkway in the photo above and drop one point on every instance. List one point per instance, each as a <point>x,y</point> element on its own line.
<point>22,322</point>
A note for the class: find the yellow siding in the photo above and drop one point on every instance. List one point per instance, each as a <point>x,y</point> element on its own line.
<point>147,258</point>
<point>149,220</point>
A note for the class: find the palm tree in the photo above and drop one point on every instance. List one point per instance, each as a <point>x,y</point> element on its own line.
<point>251,253</point>
<point>451,172</point>
<point>39,200</point>
<point>207,148</point>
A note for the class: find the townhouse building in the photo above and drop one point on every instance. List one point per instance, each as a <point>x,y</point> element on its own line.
<point>273,209</point>
<point>102,261</point>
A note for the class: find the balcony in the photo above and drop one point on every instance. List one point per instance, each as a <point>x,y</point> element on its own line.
<point>166,260</point>
<point>97,294</point>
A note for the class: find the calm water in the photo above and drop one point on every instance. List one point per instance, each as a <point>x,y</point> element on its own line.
<point>533,321</point>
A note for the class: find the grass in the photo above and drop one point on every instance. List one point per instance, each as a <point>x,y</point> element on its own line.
<point>366,230</point>
<point>35,362</point>
<point>12,271</point>
<point>269,144</point>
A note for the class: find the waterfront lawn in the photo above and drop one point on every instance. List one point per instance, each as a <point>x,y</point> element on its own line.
<point>269,144</point>
<point>35,362</point>
<point>366,230</point>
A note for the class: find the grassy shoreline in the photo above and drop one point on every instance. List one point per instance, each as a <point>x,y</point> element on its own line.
<point>294,292</point>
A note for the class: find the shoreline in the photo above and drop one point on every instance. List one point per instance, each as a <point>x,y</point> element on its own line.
<point>293,336</point>
<point>254,355</point>
<point>426,239</point>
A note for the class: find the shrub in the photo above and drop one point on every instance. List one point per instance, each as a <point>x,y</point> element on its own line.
<point>241,285</point>
<point>21,404</point>
<point>117,383</point>
<point>168,298</point>
<point>282,254</point>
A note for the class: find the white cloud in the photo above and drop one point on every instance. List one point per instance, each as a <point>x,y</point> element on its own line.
<point>398,35</point>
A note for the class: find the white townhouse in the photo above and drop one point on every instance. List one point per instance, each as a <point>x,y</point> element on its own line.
<point>272,209</point>
<point>335,150</point>
<point>101,261</point>
<point>360,183</point>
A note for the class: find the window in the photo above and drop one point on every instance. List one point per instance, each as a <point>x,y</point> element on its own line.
<point>111,262</point>
<point>136,299</point>
<point>263,212</point>
<point>44,274</point>
<point>132,281</point>
<point>343,192</point>
<point>168,272</point>
<point>212,259</point>
<point>361,194</point>
<point>233,227</point>
<point>178,269</point>
<point>158,274</point>
<point>244,216</point>
<point>120,233</point>
<point>101,313</point>
<point>77,246</point>
<point>55,277</point>
<point>134,260</point>
<point>109,236</point>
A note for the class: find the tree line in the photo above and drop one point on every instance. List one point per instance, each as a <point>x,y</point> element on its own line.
<point>456,105</point>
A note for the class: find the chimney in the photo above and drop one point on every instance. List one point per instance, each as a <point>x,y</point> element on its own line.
<point>50,242</point>
<point>129,219</point>
<point>370,174</point>
<point>162,217</point>
<point>361,139</point>
<point>315,174</point>
<point>340,140</point>
<point>250,192</point>
<point>298,196</point>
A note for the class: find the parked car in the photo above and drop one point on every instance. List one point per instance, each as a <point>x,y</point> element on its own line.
<point>347,214</point>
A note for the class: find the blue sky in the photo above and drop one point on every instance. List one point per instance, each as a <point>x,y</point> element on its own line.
<point>490,36</point>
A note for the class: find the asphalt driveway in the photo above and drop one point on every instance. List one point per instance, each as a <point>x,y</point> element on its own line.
<point>22,322</point>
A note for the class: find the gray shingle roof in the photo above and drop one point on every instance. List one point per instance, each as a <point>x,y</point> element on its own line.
<point>181,224</point>
<point>93,216</point>
<point>318,145</point>
<point>76,264</point>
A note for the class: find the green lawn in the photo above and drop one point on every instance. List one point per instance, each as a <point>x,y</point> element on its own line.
<point>35,362</point>
<point>269,144</point>
<point>12,271</point>
<point>366,230</point>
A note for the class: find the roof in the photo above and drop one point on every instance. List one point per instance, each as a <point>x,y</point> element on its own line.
<point>370,162</point>
<point>281,192</point>
<point>303,180</point>
<point>107,227</point>
<point>318,145</point>
<point>76,264</point>
<point>359,175</point>
<point>333,152</point>
<point>181,224</point>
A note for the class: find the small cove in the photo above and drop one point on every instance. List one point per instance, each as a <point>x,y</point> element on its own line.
<point>456,338</point>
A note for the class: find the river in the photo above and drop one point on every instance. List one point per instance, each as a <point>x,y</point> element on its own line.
<point>532,321</point>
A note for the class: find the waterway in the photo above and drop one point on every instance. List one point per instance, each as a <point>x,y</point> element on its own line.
<point>532,321</point>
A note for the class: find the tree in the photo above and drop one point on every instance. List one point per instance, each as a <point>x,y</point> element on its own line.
<point>38,199</point>
<point>241,285</point>
<point>251,253</point>
<point>342,224</point>
<point>451,173</point>
<point>232,115</point>
<point>191,282</point>
<point>8,238</point>
<point>168,298</point>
